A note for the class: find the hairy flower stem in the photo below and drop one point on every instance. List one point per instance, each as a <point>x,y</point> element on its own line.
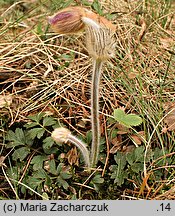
<point>81,146</point>
<point>97,69</point>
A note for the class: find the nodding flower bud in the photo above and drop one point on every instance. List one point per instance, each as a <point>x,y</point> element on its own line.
<point>69,20</point>
<point>64,135</point>
<point>61,135</point>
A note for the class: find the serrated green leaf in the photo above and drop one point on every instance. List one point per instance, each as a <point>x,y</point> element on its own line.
<point>132,120</point>
<point>62,182</point>
<point>113,168</point>
<point>20,135</point>
<point>31,125</point>
<point>50,151</point>
<point>119,179</point>
<point>52,167</point>
<point>59,168</point>
<point>36,132</point>
<point>97,6</point>
<point>48,143</point>
<point>149,155</point>
<point>37,161</point>
<point>20,153</point>
<point>98,179</point>
<point>127,119</point>
<point>34,182</point>
<point>120,160</point>
<point>88,137</point>
<point>37,117</point>
<point>130,157</point>
<point>17,138</point>
<point>13,173</point>
<point>137,167</point>
<point>119,114</point>
<point>158,175</point>
<point>40,174</point>
<point>66,175</point>
<point>48,181</point>
<point>158,153</point>
<point>48,121</point>
<point>119,175</point>
<point>139,153</point>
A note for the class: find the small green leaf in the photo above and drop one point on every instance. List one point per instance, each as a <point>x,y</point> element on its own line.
<point>37,161</point>
<point>34,182</point>
<point>120,160</point>
<point>21,153</point>
<point>137,167</point>
<point>111,16</point>
<point>132,120</point>
<point>88,137</point>
<point>119,179</point>
<point>62,182</point>
<point>59,168</point>
<point>86,2</point>
<point>48,121</point>
<point>139,153</point>
<point>66,57</point>
<point>48,143</point>
<point>13,173</point>
<point>119,114</point>
<point>128,120</point>
<point>39,29</point>
<point>37,118</point>
<point>98,179</point>
<point>66,175</point>
<point>36,132</point>
<point>149,155</point>
<point>40,174</point>
<point>17,138</point>
<point>52,167</point>
<point>130,157</point>
<point>52,150</point>
<point>31,125</point>
<point>97,7</point>
<point>119,175</point>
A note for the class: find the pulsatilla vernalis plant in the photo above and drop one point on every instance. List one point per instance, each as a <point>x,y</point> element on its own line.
<point>100,46</point>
